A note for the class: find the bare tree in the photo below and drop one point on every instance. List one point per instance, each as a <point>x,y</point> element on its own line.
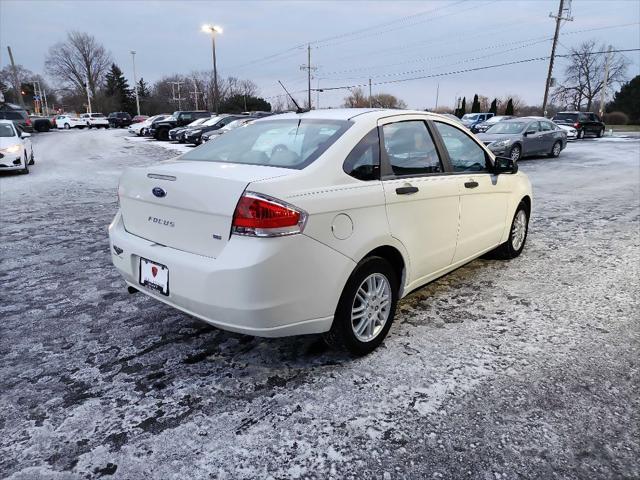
<point>80,58</point>
<point>358,99</point>
<point>584,75</point>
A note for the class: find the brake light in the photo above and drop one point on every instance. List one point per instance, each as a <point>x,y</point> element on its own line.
<point>259,215</point>
<point>576,125</point>
<point>28,122</point>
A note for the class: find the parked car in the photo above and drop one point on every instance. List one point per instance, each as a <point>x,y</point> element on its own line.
<point>521,137</point>
<point>227,128</point>
<point>139,118</point>
<point>17,115</point>
<point>140,127</point>
<point>583,122</point>
<point>119,119</point>
<point>571,132</point>
<point>471,119</point>
<point>194,135</point>
<point>16,150</point>
<point>40,123</point>
<point>484,126</point>
<point>160,129</point>
<point>177,134</point>
<point>70,121</point>
<point>316,222</point>
<point>95,120</point>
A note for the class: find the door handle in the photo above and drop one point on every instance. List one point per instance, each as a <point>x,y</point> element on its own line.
<point>471,184</point>
<point>406,190</point>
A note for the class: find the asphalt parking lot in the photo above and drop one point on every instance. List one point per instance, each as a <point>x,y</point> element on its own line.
<point>500,370</point>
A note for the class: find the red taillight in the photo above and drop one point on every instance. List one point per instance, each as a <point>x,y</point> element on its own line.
<point>263,216</point>
<point>576,125</point>
<point>28,122</point>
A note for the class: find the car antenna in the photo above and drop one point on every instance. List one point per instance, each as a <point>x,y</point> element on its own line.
<point>298,109</point>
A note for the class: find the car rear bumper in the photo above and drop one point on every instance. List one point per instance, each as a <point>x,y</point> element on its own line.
<point>268,287</point>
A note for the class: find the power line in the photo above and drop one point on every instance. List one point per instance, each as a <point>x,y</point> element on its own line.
<point>475,69</point>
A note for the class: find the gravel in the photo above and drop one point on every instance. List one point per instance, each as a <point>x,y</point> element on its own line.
<point>499,370</point>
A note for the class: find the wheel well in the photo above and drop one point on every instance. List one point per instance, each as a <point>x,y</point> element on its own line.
<point>394,257</point>
<point>527,204</point>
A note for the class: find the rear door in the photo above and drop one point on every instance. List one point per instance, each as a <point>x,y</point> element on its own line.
<point>483,195</point>
<point>547,136</point>
<point>421,197</point>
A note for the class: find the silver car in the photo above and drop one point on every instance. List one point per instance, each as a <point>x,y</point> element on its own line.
<point>522,137</point>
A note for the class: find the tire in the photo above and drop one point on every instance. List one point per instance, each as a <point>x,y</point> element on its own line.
<point>515,153</point>
<point>89,127</point>
<point>580,134</point>
<point>25,170</point>
<point>555,150</point>
<point>32,160</point>
<point>377,312</point>
<point>601,133</point>
<point>162,134</point>
<point>517,234</point>
<point>67,126</point>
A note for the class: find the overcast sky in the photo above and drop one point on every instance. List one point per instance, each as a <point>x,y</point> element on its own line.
<point>409,39</point>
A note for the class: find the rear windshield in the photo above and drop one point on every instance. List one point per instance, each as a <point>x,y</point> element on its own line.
<point>507,127</point>
<point>291,143</point>
<point>97,115</point>
<point>566,116</point>
<point>11,115</point>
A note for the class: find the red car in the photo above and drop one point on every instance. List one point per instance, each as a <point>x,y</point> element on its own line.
<point>139,118</point>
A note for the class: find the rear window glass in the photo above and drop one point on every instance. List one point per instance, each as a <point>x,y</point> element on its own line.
<point>10,115</point>
<point>291,143</point>
<point>566,116</point>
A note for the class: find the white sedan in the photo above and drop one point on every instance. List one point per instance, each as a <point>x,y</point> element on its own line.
<point>95,120</point>
<point>571,132</point>
<point>70,121</point>
<point>316,222</point>
<point>140,127</point>
<point>16,150</point>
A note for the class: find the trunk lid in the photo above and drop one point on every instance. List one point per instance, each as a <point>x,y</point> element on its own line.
<point>187,205</point>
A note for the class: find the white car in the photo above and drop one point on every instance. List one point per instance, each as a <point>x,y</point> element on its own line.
<point>16,150</point>
<point>571,132</point>
<point>70,121</point>
<point>303,223</point>
<point>140,127</point>
<point>95,120</point>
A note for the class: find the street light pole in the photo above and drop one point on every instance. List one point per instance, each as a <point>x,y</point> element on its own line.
<point>135,80</point>
<point>212,30</point>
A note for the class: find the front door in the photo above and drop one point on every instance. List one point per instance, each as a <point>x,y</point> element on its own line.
<point>483,195</point>
<point>421,198</point>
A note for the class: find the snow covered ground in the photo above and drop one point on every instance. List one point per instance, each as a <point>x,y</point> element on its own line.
<point>500,370</point>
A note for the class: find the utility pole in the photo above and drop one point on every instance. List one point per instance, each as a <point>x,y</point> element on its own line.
<point>16,79</point>
<point>88,95</point>
<point>603,96</point>
<point>135,80</point>
<point>195,92</point>
<point>370,97</point>
<point>179,97</point>
<point>561,10</point>
<point>437,95</point>
<point>308,68</point>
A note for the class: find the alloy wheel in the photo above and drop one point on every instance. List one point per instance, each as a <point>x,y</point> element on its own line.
<point>371,307</point>
<point>519,230</point>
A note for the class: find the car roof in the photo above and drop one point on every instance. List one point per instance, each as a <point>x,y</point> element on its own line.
<point>354,114</point>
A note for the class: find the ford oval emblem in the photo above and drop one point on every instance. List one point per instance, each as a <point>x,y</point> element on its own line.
<point>159,192</point>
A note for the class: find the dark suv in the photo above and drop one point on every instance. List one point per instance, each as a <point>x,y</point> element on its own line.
<point>17,115</point>
<point>583,122</point>
<point>194,135</point>
<point>119,119</point>
<point>160,130</point>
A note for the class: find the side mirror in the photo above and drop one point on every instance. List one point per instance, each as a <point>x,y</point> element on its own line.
<point>25,135</point>
<point>504,165</point>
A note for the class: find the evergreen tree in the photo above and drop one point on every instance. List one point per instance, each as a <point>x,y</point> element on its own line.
<point>475,106</point>
<point>463,108</point>
<point>118,91</point>
<point>627,100</point>
<point>509,109</point>
<point>143,89</point>
<point>494,107</point>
